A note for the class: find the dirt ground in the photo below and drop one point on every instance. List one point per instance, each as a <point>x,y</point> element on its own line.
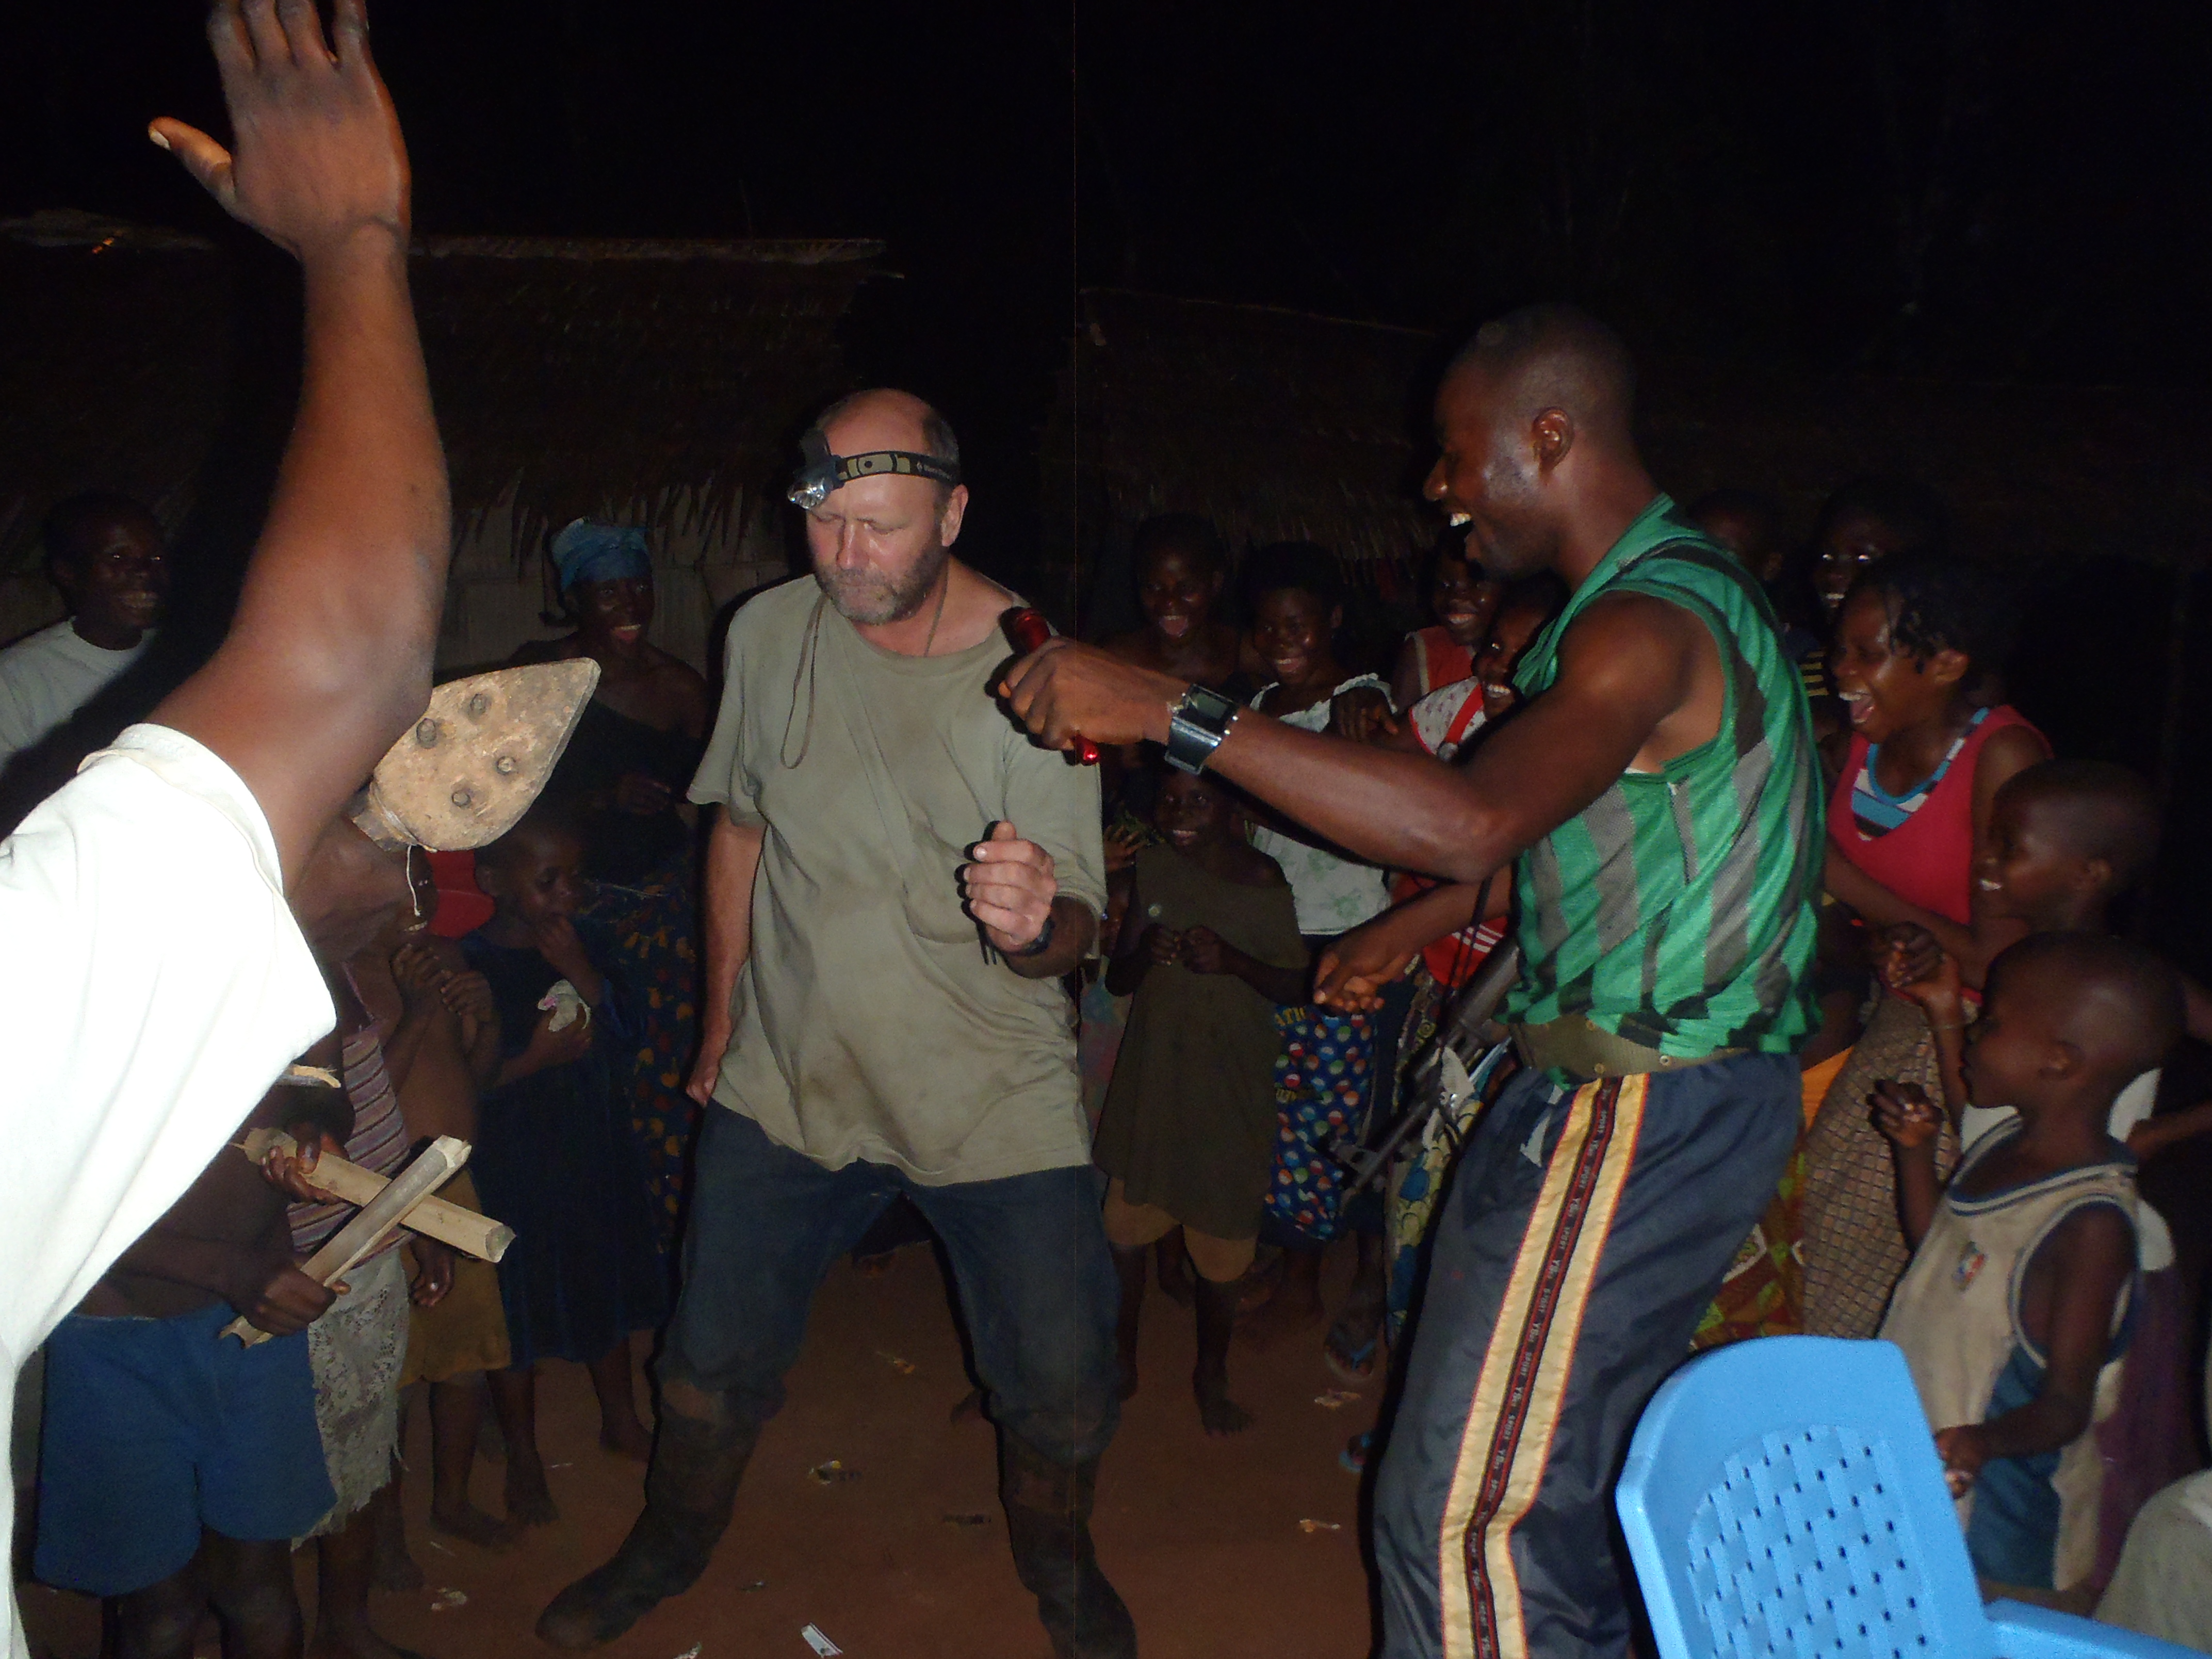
<point>1202,1537</point>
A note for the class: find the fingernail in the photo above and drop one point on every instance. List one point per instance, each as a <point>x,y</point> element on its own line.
<point>158,136</point>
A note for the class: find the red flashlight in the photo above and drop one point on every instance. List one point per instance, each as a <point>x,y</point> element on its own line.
<point>1029,630</point>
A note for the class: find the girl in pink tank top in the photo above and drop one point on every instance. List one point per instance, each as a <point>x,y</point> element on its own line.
<point>1927,756</point>
<point>1916,635</point>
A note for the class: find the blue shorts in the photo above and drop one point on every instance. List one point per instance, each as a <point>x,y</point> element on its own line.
<point>157,1428</point>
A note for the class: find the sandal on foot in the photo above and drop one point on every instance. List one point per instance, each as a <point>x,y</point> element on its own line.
<point>1354,1366</point>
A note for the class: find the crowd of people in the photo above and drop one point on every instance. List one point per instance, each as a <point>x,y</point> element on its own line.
<point>1778,956</point>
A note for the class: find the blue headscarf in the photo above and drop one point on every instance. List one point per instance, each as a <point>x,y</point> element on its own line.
<point>589,552</point>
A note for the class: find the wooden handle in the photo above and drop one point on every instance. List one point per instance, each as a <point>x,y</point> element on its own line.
<point>475,1235</point>
<point>374,1223</point>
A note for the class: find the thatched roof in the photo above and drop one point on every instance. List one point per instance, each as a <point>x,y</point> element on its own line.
<point>570,376</point>
<point>1279,425</point>
<point>114,351</point>
<point>601,377</point>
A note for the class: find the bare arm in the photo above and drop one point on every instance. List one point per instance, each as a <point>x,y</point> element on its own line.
<point>1903,1112</point>
<point>1916,968</point>
<point>2089,1257</point>
<point>733,854</point>
<point>328,659</point>
<point>1406,677</point>
<point>1626,674</point>
<point>1362,960</point>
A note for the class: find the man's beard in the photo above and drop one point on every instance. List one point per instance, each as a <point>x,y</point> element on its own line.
<point>871,599</point>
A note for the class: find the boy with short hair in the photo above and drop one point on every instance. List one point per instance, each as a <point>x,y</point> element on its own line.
<point>2011,1311</point>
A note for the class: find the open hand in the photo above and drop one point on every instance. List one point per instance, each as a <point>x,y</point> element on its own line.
<point>317,157</point>
<point>1903,1112</point>
<point>1354,968</point>
<point>1363,716</point>
<point>1121,851</point>
<point>1063,690</point>
<point>1009,888</point>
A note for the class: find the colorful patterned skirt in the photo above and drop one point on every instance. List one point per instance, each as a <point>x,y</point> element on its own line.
<point>653,927</point>
<point>1322,1085</point>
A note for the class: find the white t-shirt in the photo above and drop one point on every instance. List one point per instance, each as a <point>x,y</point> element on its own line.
<point>153,985</point>
<point>1332,892</point>
<point>48,676</point>
<point>2153,1244</point>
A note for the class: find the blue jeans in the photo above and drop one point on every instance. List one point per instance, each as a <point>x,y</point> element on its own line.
<point>1029,1255</point>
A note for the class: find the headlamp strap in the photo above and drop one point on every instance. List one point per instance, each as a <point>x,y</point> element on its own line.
<point>878,461</point>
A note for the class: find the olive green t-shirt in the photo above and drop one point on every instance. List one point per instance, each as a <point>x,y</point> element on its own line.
<point>867,1022</point>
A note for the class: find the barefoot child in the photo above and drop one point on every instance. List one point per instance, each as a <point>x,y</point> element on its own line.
<point>1209,949</point>
<point>2011,1312</point>
<point>448,1028</point>
<point>557,1162</point>
<point>1324,1071</point>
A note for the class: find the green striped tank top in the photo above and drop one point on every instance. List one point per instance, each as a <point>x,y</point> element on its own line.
<point>1678,909</point>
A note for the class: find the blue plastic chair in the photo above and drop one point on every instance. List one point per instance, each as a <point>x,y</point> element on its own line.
<point>1783,1496</point>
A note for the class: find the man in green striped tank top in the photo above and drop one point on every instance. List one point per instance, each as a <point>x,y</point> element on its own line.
<point>1658,799</point>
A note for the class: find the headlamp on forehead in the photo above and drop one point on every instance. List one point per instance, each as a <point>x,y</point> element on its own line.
<point>820,471</point>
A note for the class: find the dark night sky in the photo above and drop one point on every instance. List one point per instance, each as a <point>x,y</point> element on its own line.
<point>1942,186</point>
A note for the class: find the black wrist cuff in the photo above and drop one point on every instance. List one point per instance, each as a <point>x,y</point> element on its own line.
<point>1042,942</point>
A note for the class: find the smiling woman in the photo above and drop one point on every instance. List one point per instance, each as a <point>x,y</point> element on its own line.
<point>624,775</point>
<point>1917,644</point>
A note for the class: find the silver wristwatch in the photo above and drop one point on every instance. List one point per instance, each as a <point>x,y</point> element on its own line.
<point>1196,726</point>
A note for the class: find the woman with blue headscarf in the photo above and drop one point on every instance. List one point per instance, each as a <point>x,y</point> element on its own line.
<point>625,772</point>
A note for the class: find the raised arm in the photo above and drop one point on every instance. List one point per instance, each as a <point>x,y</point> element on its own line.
<point>1626,670</point>
<point>328,659</point>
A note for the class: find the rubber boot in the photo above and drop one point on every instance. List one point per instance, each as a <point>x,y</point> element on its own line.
<point>1049,1520</point>
<point>689,1488</point>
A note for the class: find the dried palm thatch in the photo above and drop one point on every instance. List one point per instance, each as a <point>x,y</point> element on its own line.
<point>605,377</point>
<point>658,382</point>
<point>1279,425</point>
